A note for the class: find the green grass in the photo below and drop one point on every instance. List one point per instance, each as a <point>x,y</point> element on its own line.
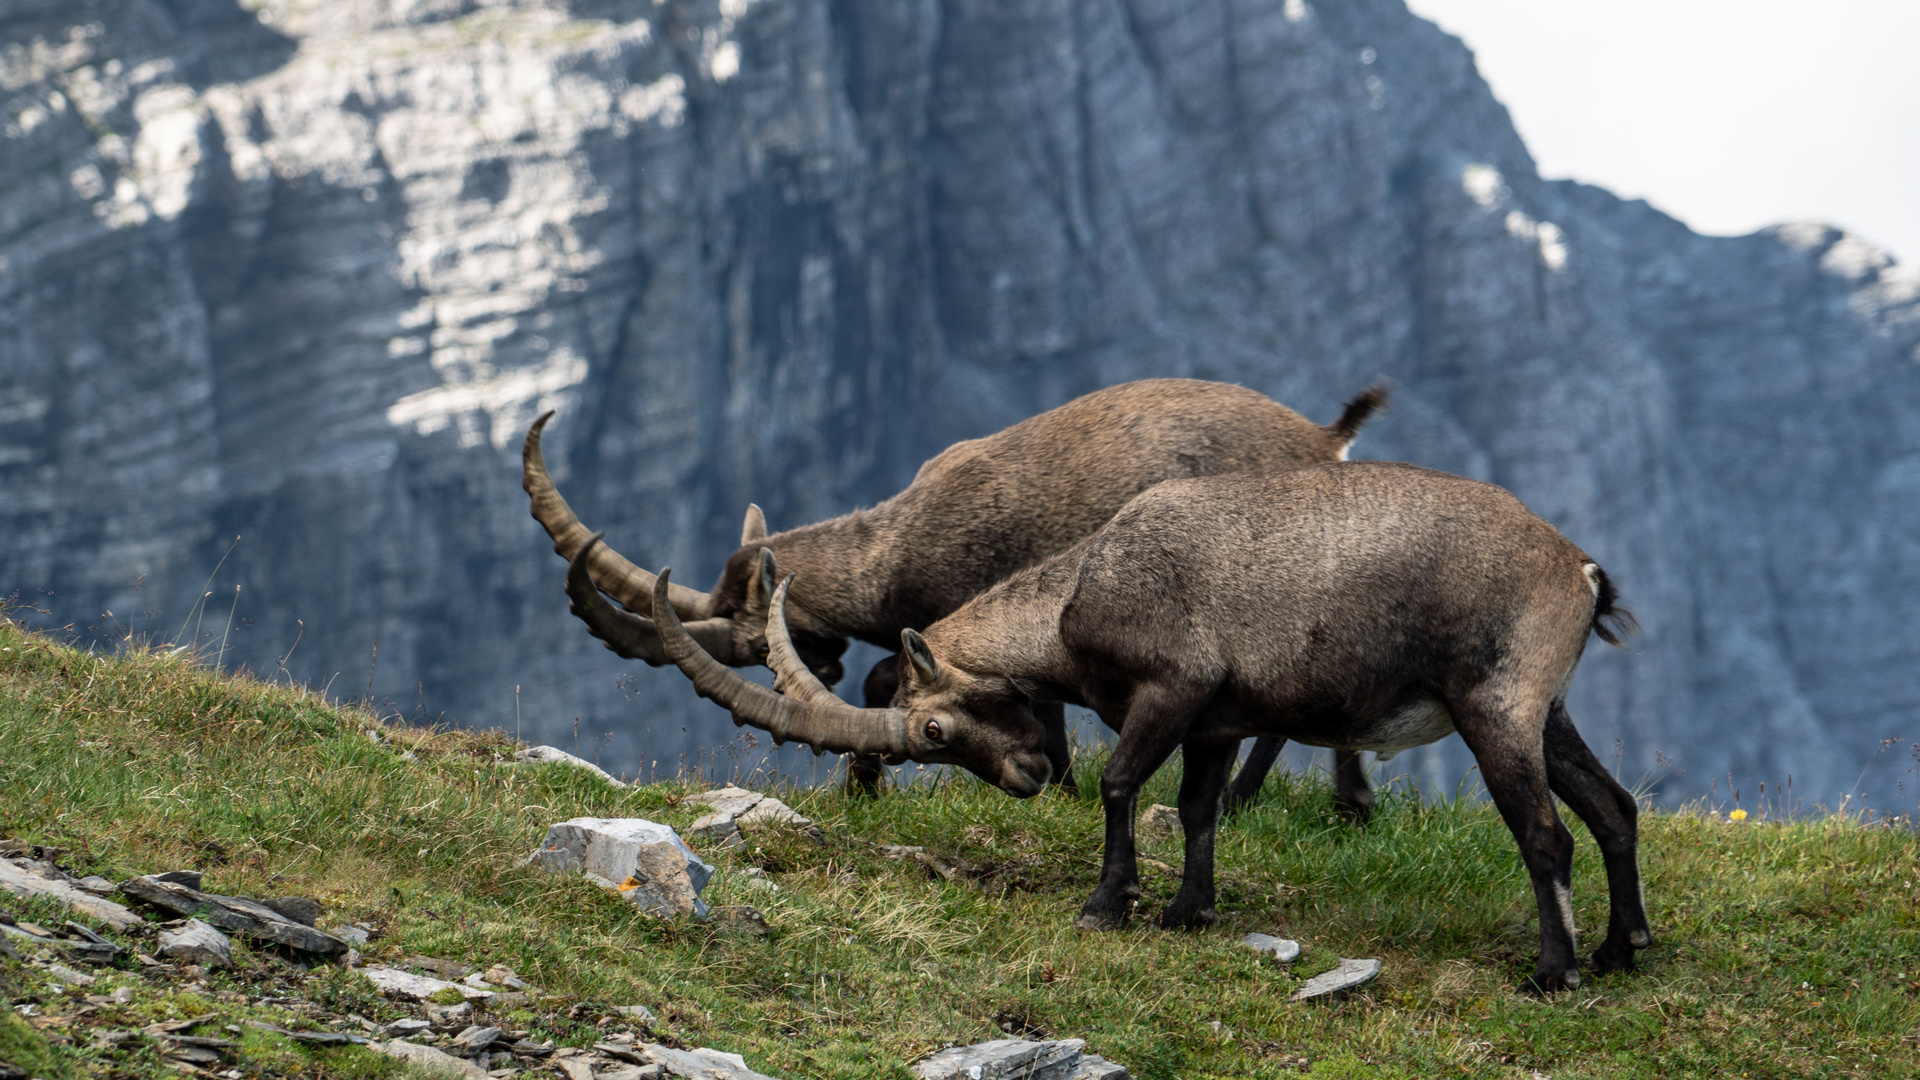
<point>1783,948</point>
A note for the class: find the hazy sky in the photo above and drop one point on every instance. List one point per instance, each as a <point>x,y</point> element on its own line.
<point>1728,114</point>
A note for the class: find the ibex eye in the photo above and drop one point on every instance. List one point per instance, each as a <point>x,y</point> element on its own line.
<point>933,730</point>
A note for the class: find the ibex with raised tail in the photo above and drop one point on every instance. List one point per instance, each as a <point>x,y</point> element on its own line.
<point>1359,605</point>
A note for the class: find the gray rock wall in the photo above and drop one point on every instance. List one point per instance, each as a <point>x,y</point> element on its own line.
<point>302,272</point>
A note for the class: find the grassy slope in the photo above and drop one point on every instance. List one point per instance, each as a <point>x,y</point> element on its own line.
<point>1783,949</point>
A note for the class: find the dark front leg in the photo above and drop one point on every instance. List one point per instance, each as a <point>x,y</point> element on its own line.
<point>1507,744</point>
<point>1201,782</point>
<point>1612,816</point>
<point>866,772</point>
<point>1253,772</point>
<point>1352,793</point>
<point>1156,722</point>
<point>1053,718</point>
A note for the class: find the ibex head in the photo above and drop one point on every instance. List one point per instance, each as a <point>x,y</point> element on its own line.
<point>947,716</point>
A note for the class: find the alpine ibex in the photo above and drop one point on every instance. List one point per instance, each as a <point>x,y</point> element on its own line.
<point>974,514</point>
<point>1361,605</point>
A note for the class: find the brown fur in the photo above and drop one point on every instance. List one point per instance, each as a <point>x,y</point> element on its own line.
<point>1332,604</point>
<point>981,510</point>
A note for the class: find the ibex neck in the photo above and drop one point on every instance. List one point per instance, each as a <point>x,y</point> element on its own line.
<point>838,576</point>
<point>1013,629</point>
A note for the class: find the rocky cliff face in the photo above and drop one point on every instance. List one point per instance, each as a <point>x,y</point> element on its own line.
<point>303,271</point>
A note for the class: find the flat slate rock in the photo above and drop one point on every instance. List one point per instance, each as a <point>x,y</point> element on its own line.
<point>397,983</point>
<point>298,908</point>
<point>234,913</point>
<point>698,1063</point>
<point>23,881</point>
<point>749,807</point>
<point>1018,1059</point>
<point>1284,950</point>
<point>553,755</point>
<point>1349,974</point>
<point>429,1058</point>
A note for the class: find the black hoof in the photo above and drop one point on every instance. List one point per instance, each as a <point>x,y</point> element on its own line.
<point>1545,982</point>
<point>1613,955</point>
<point>1178,917</point>
<point>1107,909</point>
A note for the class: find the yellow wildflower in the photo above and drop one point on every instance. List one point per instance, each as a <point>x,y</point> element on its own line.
<point>1737,815</point>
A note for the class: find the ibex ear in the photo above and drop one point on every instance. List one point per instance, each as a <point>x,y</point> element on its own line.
<point>915,648</point>
<point>760,584</point>
<point>755,530</point>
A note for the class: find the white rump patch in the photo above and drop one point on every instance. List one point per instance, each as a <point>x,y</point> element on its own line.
<point>1592,571</point>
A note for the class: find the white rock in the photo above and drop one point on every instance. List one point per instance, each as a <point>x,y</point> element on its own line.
<point>430,1059</point>
<point>197,943</point>
<point>1018,1059</point>
<point>637,1012</point>
<point>645,860</point>
<point>700,1063</point>
<point>1282,949</point>
<point>553,755</point>
<point>397,983</point>
<point>749,807</point>
<point>1349,974</point>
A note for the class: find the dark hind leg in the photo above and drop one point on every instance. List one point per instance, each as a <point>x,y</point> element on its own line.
<point>866,772</point>
<point>1202,779</point>
<point>1352,793</point>
<point>1253,773</point>
<point>1613,818</point>
<point>1053,717</point>
<point>1505,737</point>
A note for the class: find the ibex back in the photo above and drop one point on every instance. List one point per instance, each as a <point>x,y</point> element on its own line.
<point>974,514</point>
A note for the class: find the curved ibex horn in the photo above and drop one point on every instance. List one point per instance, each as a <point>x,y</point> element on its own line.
<point>611,572</point>
<point>823,723</point>
<point>634,636</point>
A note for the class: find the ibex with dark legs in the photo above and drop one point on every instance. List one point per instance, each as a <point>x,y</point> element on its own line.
<point>974,514</point>
<point>1363,605</point>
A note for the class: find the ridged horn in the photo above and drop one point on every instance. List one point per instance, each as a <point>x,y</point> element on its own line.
<point>791,675</point>
<point>828,724</point>
<point>634,636</point>
<point>611,572</point>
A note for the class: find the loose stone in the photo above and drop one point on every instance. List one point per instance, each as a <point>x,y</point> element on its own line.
<point>1349,974</point>
<point>197,943</point>
<point>646,861</point>
<point>1281,949</point>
